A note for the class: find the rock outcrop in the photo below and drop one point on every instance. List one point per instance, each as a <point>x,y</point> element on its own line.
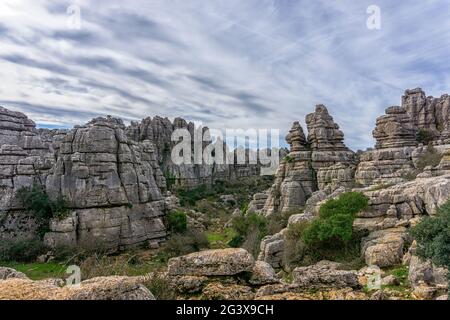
<point>399,133</point>
<point>104,288</point>
<point>159,131</point>
<point>226,262</point>
<point>321,161</point>
<point>112,184</point>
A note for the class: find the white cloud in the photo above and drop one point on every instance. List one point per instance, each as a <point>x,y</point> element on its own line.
<point>237,64</point>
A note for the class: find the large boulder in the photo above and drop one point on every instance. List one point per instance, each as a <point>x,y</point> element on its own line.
<point>105,288</point>
<point>324,275</point>
<point>8,273</point>
<point>223,262</point>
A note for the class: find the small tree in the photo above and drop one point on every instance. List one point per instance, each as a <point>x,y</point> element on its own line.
<point>335,221</point>
<point>36,200</point>
<point>177,221</point>
<point>433,237</point>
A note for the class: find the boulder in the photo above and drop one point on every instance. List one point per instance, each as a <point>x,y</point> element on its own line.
<point>324,275</point>
<point>223,262</point>
<point>263,274</point>
<point>8,273</point>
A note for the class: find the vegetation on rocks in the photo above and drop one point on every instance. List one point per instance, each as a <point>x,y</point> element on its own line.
<point>335,222</point>
<point>430,158</point>
<point>433,237</point>
<point>36,201</point>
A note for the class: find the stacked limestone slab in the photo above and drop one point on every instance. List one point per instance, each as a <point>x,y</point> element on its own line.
<point>395,157</point>
<point>113,185</point>
<point>25,158</point>
<point>317,162</point>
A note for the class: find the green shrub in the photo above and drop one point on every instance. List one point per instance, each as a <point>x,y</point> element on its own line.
<point>250,229</point>
<point>430,158</point>
<point>22,250</point>
<point>36,200</point>
<point>335,221</point>
<point>424,136</point>
<point>177,221</point>
<point>289,159</point>
<point>170,179</point>
<point>181,244</point>
<point>433,237</point>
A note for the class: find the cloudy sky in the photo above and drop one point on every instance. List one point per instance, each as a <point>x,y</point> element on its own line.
<point>225,63</point>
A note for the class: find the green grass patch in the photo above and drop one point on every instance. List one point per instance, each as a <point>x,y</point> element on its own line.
<point>220,239</point>
<point>38,271</point>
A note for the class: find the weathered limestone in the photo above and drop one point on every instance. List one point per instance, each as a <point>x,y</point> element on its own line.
<point>319,162</point>
<point>385,166</point>
<point>25,158</point>
<point>159,131</point>
<point>258,202</point>
<point>104,288</point>
<point>394,130</point>
<point>112,184</point>
<point>226,262</point>
<point>324,275</point>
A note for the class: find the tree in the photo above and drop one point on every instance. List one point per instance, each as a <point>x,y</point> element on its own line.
<point>433,237</point>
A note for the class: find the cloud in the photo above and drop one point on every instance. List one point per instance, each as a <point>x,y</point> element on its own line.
<point>228,64</point>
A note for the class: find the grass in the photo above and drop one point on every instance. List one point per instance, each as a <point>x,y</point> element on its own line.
<point>38,271</point>
<point>219,239</point>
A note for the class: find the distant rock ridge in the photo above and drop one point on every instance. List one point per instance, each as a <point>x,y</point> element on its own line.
<point>159,131</point>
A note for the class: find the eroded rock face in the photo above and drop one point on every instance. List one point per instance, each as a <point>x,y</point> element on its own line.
<point>321,161</point>
<point>325,275</point>
<point>25,158</point>
<point>113,185</point>
<point>226,262</point>
<point>104,288</point>
<point>159,131</point>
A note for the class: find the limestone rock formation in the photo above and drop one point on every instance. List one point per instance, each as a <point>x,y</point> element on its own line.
<point>112,184</point>
<point>395,129</point>
<point>25,158</point>
<point>324,275</point>
<point>105,288</point>
<point>318,162</point>
<point>226,262</point>
<point>159,131</point>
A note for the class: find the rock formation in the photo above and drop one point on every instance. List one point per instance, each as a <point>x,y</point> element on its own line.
<point>159,131</point>
<point>318,162</point>
<point>420,119</point>
<point>114,186</point>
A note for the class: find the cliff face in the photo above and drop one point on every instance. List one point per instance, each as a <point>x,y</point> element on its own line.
<point>113,185</point>
<point>159,131</point>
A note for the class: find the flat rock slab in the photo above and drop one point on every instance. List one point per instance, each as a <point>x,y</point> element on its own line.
<point>226,262</point>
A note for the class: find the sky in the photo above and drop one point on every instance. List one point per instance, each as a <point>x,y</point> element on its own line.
<point>239,64</point>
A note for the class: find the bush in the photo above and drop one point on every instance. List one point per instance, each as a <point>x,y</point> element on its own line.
<point>433,237</point>
<point>430,158</point>
<point>250,229</point>
<point>177,221</point>
<point>335,221</point>
<point>184,243</point>
<point>170,179</point>
<point>424,136</point>
<point>22,250</point>
<point>36,200</point>
<point>161,287</point>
